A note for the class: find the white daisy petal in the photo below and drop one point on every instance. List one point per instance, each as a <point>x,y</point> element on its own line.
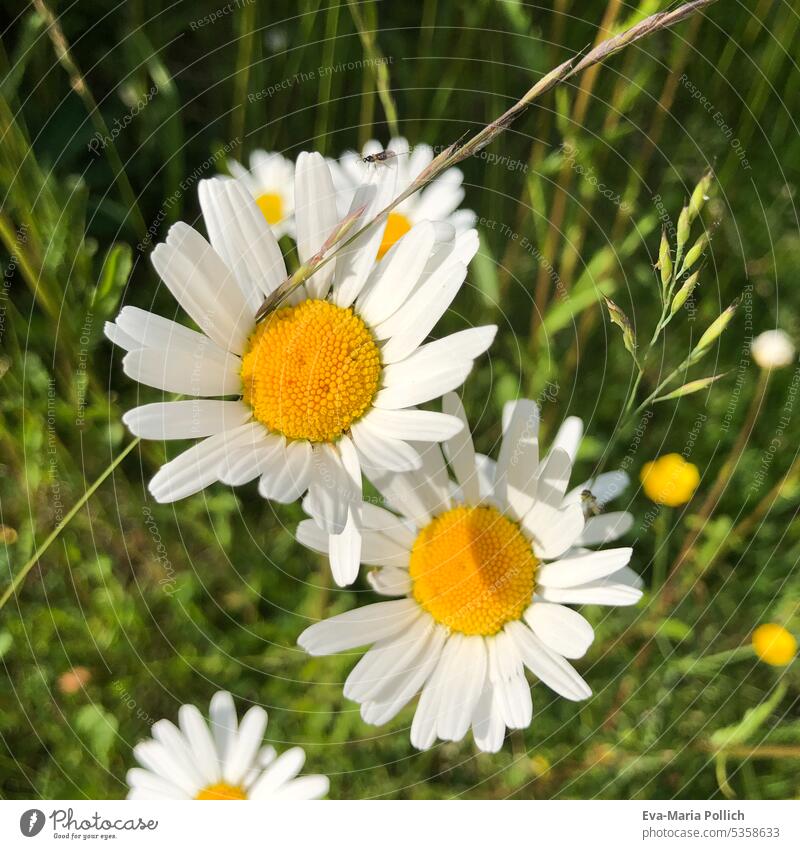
<point>154,756</point>
<point>417,425</point>
<point>354,263</point>
<point>196,467</point>
<point>345,548</point>
<point>288,477</point>
<point>390,525</point>
<point>386,660</point>
<point>553,477</point>
<point>488,727</point>
<point>553,530</point>
<point>223,721</point>
<point>607,527</point>
<point>418,316</point>
<point>157,787</point>
<point>460,451</point>
<point>243,749</point>
<point>466,681</point>
<point>513,701</point>
<point>583,568</point>
<point>241,235</point>
<point>316,217</point>
<point>114,333</point>
<point>204,286</point>
<point>518,462</point>
<point>568,437</point>
<point>426,716</point>
<point>381,452</point>
<point>246,463</point>
<point>377,549</point>
<point>433,369</point>
<point>550,668</point>
<point>154,331</point>
<point>312,536</point>
<point>604,591</point>
<point>305,787</point>
<point>278,774</point>
<point>197,373</point>
<point>191,419</point>
<point>390,581</point>
<point>359,627</point>
<point>194,728</point>
<point>331,489</point>
<point>560,628</point>
<point>605,487</point>
<point>395,276</point>
<point>415,670</point>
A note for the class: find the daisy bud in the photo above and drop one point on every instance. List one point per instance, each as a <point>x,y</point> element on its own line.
<point>715,329</point>
<point>774,644</point>
<point>773,349</point>
<point>683,293</point>
<point>665,260</point>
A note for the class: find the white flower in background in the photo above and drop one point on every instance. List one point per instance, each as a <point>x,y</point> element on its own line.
<point>439,201</point>
<point>220,760</point>
<point>485,567</point>
<point>773,349</point>
<point>270,181</point>
<point>327,383</point>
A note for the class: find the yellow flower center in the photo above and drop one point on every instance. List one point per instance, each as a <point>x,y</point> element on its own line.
<point>310,371</point>
<point>397,225</point>
<point>271,206</point>
<point>221,792</point>
<point>472,570</point>
<point>669,480</point>
<point>774,644</point>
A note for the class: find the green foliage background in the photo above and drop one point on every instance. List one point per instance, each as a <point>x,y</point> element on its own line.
<point>165,604</point>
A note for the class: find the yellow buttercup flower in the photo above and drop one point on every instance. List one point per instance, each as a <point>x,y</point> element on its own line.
<point>669,480</point>
<point>774,644</point>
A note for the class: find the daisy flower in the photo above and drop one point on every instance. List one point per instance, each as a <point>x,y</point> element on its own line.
<point>325,385</point>
<point>439,201</point>
<point>221,759</point>
<point>485,566</point>
<point>270,181</point>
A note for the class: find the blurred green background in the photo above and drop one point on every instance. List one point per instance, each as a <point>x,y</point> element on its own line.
<point>136,608</point>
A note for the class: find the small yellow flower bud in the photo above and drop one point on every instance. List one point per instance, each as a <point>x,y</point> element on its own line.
<point>774,644</point>
<point>670,480</point>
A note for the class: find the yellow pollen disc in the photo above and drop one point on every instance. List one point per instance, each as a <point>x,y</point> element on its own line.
<point>271,205</point>
<point>472,570</point>
<point>310,371</point>
<point>397,225</point>
<point>221,792</point>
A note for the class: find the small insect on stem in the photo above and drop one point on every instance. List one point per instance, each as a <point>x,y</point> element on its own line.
<point>591,506</point>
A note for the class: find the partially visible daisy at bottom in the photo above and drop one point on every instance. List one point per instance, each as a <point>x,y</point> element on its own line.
<point>485,566</point>
<point>220,760</point>
<point>270,181</point>
<point>439,201</point>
